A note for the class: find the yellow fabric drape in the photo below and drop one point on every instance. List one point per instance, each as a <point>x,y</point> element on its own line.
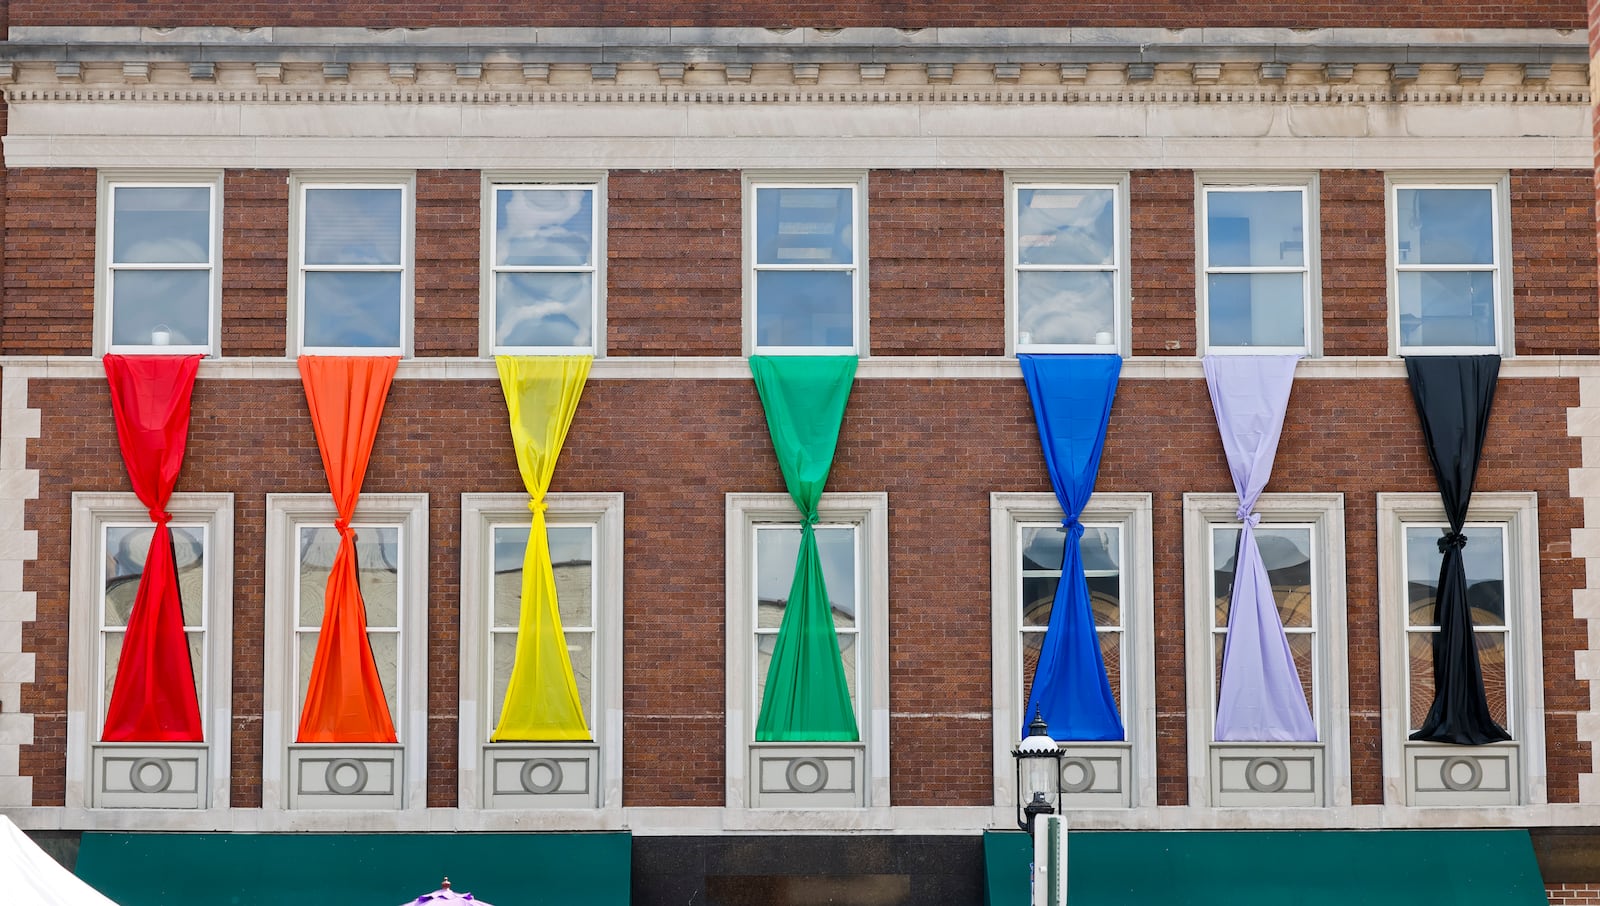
<point>542,698</point>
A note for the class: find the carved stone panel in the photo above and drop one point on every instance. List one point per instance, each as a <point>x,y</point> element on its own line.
<point>808,775</point>
<point>1439,774</point>
<point>150,775</point>
<point>1271,775</point>
<point>346,777</point>
<point>1096,775</point>
<point>541,775</point>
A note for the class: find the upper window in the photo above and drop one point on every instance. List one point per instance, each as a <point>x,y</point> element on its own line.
<point>804,278</point>
<point>1068,283</point>
<point>1258,263</point>
<point>353,267</point>
<point>1029,545</point>
<point>1448,250</point>
<point>543,263</point>
<point>160,281</point>
<point>1502,571</point>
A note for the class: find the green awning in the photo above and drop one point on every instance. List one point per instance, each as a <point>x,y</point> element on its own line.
<point>356,869</point>
<point>1305,868</point>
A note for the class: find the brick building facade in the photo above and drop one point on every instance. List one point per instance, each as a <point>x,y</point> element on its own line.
<point>672,115</point>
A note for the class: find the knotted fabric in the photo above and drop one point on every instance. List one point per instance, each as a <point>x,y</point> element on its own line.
<point>806,697</point>
<point>1454,395</point>
<point>1259,698</point>
<point>1072,397</point>
<point>541,702</point>
<point>153,698</point>
<point>344,700</point>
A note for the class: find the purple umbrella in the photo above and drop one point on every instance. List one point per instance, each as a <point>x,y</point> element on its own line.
<point>445,896</point>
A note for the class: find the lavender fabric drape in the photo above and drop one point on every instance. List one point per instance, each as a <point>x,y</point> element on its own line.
<point>1260,699</point>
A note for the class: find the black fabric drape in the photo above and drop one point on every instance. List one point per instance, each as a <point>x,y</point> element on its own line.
<point>1453,396</point>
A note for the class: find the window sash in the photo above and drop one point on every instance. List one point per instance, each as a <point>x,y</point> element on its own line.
<point>497,268</point>
<point>854,633</point>
<point>1497,227</point>
<point>1208,270</point>
<point>401,268</point>
<point>113,267</point>
<point>852,269</point>
<point>1114,268</point>
<point>1020,684</point>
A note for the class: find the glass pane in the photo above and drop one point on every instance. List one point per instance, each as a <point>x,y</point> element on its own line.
<point>1286,552</point>
<point>571,552</point>
<point>1492,660</point>
<point>161,225</point>
<point>197,665</point>
<point>1066,226</point>
<point>108,674</point>
<point>1485,561</point>
<point>161,308</point>
<point>847,654</point>
<point>352,309</point>
<point>580,649</point>
<point>777,549</point>
<point>1420,672</point>
<point>765,643</point>
<point>1038,598</point>
<point>1446,308</point>
<point>188,553</point>
<point>1256,309</point>
<point>510,542</point>
<point>1255,229</point>
<point>544,310</point>
<point>804,225</point>
<point>126,549</point>
<point>378,562</point>
<point>1111,653</point>
<point>1445,226</point>
<point>307,655</point>
<point>1042,547</point>
<point>1101,553</point>
<point>804,308</point>
<point>505,655</point>
<point>386,653</point>
<point>353,226</point>
<point>1066,307</point>
<point>318,544</point>
<point>544,227</point>
<point>1032,646</point>
<point>1301,648</point>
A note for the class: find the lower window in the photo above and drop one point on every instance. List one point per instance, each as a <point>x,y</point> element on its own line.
<point>1502,565</point>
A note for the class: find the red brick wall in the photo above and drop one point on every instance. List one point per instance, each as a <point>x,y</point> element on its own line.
<point>674,260</point>
<point>818,13</point>
<point>1573,894</point>
<point>1161,226</point>
<point>938,240</point>
<point>1556,294</point>
<point>448,250</point>
<point>675,448</point>
<point>49,255</point>
<point>255,262</point>
<point>1355,301</point>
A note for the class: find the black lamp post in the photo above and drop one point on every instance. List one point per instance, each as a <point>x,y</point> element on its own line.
<point>1038,774</point>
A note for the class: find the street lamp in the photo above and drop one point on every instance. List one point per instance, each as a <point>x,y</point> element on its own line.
<point>1038,774</point>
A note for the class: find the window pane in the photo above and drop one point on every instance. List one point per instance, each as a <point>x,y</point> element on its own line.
<point>161,225</point>
<point>804,308</point>
<point>1492,660</point>
<point>1485,562</point>
<point>317,547</point>
<point>1101,553</point>
<point>847,654</point>
<point>126,550</point>
<point>377,569</point>
<point>353,226</point>
<point>188,554</point>
<point>1042,547</point>
<point>1066,307</point>
<point>1032,647</point>
<point>804,225</point>
<point>1420,672</point>
<point>544,309</point>
<point>161,308</point>
<point>1255,229</point>
<point>1286,552</point>
<point>1066,226</point>
<point>1256,309</point>
<point>1446,308</point>
<point>386,654</point>
<point>308,654</point>
<point>544,227</point>
<point>505,654</point>
<point>1111,653</point>
<point>571,553</point>
<point>580,650</point>
<point>778,548</point>
<point>765,643</point>
<point>1301,648</point>
<point>1445,226</point>
<point>510,543</point>
<point>1038,599</point>
<point>352,309</point>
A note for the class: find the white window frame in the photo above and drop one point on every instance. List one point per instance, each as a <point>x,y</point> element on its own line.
<point>1310,213</point>
<point>1518,512</point>
<point>481,514</point>
<point>1499,185</point>
<point>493,184</point>
<point>92,511</point>
<point>299,183</point>
<point>109,181</point>
<point>1324,513</point>
<point>870,512</point>
<point>1131,513</point>
<point>286,513</point>
<point>856,182</point>
<point>1121,320</point>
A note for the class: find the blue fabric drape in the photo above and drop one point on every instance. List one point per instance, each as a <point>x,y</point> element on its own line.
<point>1072,396</point>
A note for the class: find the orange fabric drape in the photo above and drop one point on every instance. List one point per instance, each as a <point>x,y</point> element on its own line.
<point>344,701</point>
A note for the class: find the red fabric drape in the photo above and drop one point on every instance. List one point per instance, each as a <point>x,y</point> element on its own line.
<point>344,701</point>
<point>153,699</point>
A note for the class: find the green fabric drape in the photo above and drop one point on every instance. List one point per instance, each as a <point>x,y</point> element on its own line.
<point>806,696</point>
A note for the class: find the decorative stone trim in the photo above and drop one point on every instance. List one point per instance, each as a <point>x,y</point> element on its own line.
<point>18,546</point>
<point>1583,421</point>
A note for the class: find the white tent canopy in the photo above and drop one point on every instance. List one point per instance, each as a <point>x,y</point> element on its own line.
<point>29,875</point>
